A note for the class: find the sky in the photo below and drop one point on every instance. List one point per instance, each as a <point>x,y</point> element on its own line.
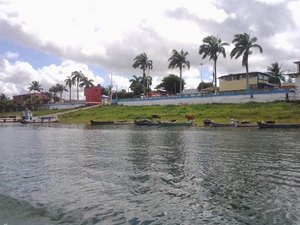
<point>47,40</point>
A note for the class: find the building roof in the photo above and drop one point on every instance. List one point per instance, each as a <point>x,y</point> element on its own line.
<point>238,74</point>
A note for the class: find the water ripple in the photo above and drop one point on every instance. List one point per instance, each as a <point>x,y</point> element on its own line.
<point>129,175</point>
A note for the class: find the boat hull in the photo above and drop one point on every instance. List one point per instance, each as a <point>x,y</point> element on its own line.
<point>40,120</point>
<point>279,125</point>
<point>221,124</point>
<point>175,124</point>
<point>145,123</point>
<point>93,122</point>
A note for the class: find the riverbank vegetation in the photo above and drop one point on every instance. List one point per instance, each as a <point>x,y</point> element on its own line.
<point>252,112</point>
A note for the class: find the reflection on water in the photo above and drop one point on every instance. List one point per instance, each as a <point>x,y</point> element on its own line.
<point>135,175</point>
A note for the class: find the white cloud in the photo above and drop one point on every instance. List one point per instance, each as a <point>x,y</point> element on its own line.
<point>16,77</point>
<point>11,55</point>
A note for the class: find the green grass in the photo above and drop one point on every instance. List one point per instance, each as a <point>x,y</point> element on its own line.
<point>253,112</point>
<point>222,113</point>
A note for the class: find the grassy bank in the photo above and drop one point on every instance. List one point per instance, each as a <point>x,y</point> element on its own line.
<point>253,112</point>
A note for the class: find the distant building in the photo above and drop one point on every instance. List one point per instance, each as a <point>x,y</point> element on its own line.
<point>238,81</point>
<point>297,78</point>
<point>38,95</point>
<point>93,95</point>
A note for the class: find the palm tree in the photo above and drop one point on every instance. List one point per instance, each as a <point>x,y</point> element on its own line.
<point>213,46</point>
<point>136,85</point>
<point>86,82</point>
<point>35,86</point>
<point>178,60</point>
<point>243,45</point>
<point>69,82</point>
<point>60,88</point>
<point>148,81</point>
<point>53,91</point>
<point>77,78</point>
<point>135,80</point>
<point>276,74</point>
<point>144,64</point>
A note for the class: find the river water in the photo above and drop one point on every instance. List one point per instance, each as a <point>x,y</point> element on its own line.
<point>69,174</point>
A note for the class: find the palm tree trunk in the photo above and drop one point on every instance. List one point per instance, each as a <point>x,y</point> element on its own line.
<point>180,82</point>
<point>70,92</point>
<point>144,76</point>
<point>247,79</point>
<point>215,72</point>
<point>77,90</point>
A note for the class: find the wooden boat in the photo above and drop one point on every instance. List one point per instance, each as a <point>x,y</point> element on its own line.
<point>174,123</point>
<point>207,122</point>
<point>232,123</point>
<point>145,122</point>
<point>213,124</point>
<point>246,125</point>
<point>94,122</point>
<point>10,119</point>
<point>125,122</point>
<point>262,125</point>
<point>29,118</point>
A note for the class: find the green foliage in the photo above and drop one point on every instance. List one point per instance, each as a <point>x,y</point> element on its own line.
<point>179,60</point>
<point>171,84</point>
<point>35,86</point>
<point>276,74</point>
<point>203,85</point>
<point>212,47</point>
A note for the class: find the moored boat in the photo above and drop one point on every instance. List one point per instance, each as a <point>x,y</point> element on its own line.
<point>29,118</point>
<point>213,124</point>
<point>174,123</point>
<point>123,122</point>
<point>10,119</point>
<point>232,123</point>
<point>145,122</point>
<point>207,122</point>
<point>262,125</point>
<point>94,122</point>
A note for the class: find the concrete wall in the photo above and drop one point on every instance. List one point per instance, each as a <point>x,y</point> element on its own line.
<point>270,97</point>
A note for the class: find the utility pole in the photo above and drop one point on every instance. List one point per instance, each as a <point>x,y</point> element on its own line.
<point>201,83</point>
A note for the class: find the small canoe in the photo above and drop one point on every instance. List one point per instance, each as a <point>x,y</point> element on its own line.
<point>94,122</point>
<point>175,123</point>
<point>213,124</point>
<point>262,125</point>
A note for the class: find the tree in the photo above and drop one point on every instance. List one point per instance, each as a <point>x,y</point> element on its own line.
<point>137,85</point>
<point>178,60</point>
<point>4,100</point>
<point>141,61</point>
<point>35,86</point>
<point>243,44</point>
<point>171,84</point>
<point>204,85</point>
<point>77,78</point>
<point>148,82</point>
<point>69,82</point>
<point>212,47</point>
<point>60,89</point>
<point>86,82</point>
<point>53,91</point>
<point>276,74</point>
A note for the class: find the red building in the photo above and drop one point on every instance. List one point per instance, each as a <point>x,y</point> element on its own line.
<point>93,95</point>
